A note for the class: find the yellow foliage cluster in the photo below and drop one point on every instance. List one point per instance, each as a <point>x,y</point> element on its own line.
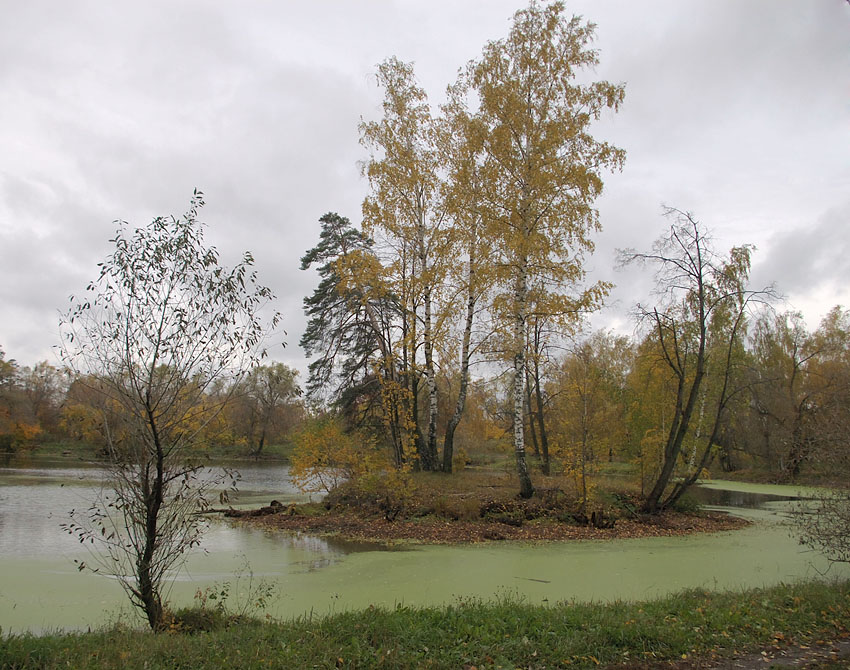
<point>82,422</point>
<point>577,467</point>
<point>14,433</point>
<point>325,456</point>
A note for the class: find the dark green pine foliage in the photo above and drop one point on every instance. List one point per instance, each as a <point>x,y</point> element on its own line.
<point>348,326</point>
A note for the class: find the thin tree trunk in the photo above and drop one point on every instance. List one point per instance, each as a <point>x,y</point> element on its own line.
<point>153,497</point>
<point>526,489</point>
<point>451,426</point>
<point>535,449</point>
<point>681,418</point>
<point>541,423</point>
<point>431,380</point>
<point>429,452</point>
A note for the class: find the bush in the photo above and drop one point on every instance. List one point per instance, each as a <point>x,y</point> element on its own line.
<point>388,491</point>
<point>687,504</point>
<point>465,509</point>
<point>459,460</point>
<point>391,489</point>
<point>198,620</point>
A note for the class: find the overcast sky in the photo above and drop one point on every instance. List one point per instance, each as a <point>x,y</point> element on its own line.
<point>736,110</point>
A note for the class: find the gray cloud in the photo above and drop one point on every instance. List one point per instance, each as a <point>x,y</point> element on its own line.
<point>811,264</point>
<point>735,109</point>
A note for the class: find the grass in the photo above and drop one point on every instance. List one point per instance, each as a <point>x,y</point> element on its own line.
<point>271,452</point>
<point>71,450</point>
<point>504,633</point>
<point>54,450</point>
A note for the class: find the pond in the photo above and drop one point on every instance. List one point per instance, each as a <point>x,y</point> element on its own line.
<point>41,589</point>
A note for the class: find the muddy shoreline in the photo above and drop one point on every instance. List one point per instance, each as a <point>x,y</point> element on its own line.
<point>350,525</point>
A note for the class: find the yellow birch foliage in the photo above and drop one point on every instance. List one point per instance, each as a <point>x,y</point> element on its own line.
<point>540,174</point>
<point>576,467</point>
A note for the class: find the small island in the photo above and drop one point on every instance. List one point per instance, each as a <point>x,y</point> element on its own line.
<point>480,505</point>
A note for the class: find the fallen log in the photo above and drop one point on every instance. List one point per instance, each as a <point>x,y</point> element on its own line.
<point>275,507</point>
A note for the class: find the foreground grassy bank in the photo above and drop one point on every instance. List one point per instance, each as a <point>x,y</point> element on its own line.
<point>687,629</point>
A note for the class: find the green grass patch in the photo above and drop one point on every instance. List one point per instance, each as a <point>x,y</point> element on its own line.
<point>62,449</point>
<point>504,633</point>
<point>71,450</point>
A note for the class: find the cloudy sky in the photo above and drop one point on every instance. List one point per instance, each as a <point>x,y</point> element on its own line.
<point>736,110</point>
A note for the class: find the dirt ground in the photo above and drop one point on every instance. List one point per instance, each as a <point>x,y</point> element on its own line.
<point>828,655</point>
<point>349,525</point>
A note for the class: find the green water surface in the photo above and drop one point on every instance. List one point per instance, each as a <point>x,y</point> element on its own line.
<point>41,589</point>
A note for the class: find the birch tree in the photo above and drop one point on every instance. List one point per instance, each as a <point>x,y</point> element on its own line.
<point>541,173</point>
<point>405,212</point>
<point>459,144</point>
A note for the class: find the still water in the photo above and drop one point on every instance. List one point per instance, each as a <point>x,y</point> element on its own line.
<point>41,589</point>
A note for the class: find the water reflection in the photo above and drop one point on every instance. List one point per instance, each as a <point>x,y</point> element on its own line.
<point>716,497</point>
<point>35,501</point>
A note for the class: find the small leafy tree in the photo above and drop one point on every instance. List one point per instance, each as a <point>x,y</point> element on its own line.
<point>162,323</point>
<point>586,407</point>
<point>325,456</point>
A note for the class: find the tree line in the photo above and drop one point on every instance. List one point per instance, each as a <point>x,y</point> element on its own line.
<point>471,260</point>
<point>50,404</point>
<point>457,305</point>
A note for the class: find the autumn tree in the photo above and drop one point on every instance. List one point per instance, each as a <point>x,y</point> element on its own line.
<point>824,524</point>
<point>543,332</point>
<point>788,393</point>
<point>161,323</point>
<point>8,379</point>
<point>405,212</point>
<point>588,404</point>
<point>468,270</point>
<point>8,371</point>
<point>264,395</point>
<point>43,388</point>
<point>540,175</point>
<point>697,331</point>
<point>326,455</point>
<point>579,418</point>
<point>29,403</point>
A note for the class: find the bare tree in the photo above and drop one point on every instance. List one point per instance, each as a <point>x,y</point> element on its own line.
<point>163,321</point>
<point>697,329</point>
